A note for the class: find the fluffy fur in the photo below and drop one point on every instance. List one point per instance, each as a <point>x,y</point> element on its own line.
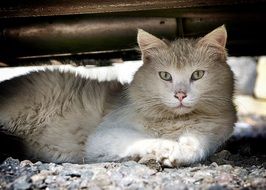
<point>63,117</point>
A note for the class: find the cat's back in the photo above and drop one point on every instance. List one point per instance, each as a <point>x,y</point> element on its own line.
<point>54,111</point>
<point>52,95</point>
<point>47,87</point>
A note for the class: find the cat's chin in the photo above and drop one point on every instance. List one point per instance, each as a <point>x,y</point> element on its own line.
<point>178,108</point>
<point>181,110</point>
<point>181,106</point>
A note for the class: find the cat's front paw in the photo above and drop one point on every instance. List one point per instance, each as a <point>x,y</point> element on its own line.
<point>169,153</point>
<point>160,150</point>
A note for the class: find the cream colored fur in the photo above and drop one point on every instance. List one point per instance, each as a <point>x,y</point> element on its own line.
<point>63,117</point>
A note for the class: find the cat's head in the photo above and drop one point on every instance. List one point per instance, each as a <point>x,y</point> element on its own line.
<point>182,76</point>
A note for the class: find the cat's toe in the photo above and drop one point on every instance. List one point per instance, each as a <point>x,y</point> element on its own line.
<point>163,162</point>
<point>147,158</point>
<point>167,163</point>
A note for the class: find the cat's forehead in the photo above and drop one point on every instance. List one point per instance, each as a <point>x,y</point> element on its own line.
<point>183,48</point>
<point>185,52</point>
<point>181,53</point>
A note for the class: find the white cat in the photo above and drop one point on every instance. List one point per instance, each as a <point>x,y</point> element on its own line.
<point>177,110</point>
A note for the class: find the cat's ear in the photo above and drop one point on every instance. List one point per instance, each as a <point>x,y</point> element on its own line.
<point>147,41</point>
<point>217,38</point>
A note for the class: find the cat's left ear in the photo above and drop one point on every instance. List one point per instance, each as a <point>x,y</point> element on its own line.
<point>147,41</point>
<point>217,38</point>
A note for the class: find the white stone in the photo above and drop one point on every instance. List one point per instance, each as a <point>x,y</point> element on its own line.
<point>260,87</point>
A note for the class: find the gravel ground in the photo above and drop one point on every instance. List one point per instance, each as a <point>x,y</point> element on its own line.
<point>240,164</point>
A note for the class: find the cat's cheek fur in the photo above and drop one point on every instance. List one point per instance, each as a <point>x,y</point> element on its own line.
<point>170,102</point>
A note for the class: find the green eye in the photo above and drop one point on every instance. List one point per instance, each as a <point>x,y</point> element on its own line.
<point>196,75</point>
<point>165,76</point>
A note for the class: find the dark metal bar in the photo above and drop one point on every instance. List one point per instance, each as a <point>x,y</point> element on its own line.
<point>68,36</point>
<point>23,34</point>
<point>76,35</point>
<point>29,8</point>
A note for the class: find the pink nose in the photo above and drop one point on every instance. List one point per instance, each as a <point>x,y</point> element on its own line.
<point>180,95</point>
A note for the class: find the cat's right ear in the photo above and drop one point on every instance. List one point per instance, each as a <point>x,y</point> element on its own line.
<point>217,38</point>
<point>147,41</point>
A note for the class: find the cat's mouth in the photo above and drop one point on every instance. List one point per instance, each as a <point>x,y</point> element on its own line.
<point>179,107</point>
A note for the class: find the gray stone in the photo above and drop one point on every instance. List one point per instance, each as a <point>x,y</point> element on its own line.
<point>22,183</point>
<point>217,187</point>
